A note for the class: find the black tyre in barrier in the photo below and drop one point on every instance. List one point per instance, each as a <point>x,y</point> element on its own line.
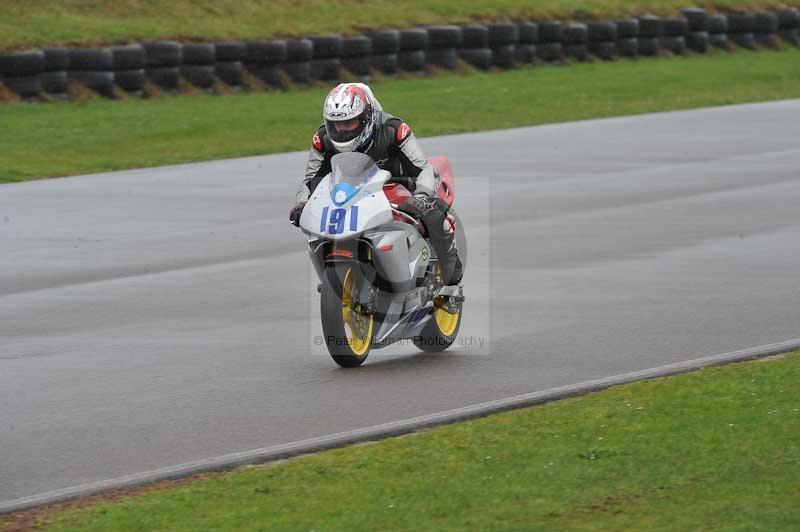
<point>765,23</point>
<point>326,47</point>
<point>163,77</point>
<point>474,36</point>
<point>101,82</point>
<point>502,34</point>
<point>443,57</point>
<point>269,74</point>
<point>27,86</point>
<point>411,60</point>
<point>299,50</point>
<point>360,66</point>
<point>648,46</point>
<point>298,71</point>
<point>22,65</point>
<point>445,37</point>
<point>480,58</point>
<point>628,47</point>
<point>359,46</point>
<point>788,19</point>
<point>717,24</point>
<point>385,63</point>
<point>602,31</point>
<point>163,54</point>
<point>503,56</point>
<point>742,22</point>
<point>697,41</point>
<point>719,40</point>
<point>128,57</point>
<point>790,36</point>
<point>766,40</point>
<point>696,18</point>
<point>129,80</point>
<point>549,52</point>
<point>230,51</point>
<point>575,33</point>
<point>550,31</point>
<point>528,33</point>
<point>54,82</point>
<point>745,40</point>
<point>199,54</point>
<point>525,53</point>
<point>676,45</point>
<point>229,72</point>
<point>268,52</point>
<point>384,42</point>
<point>650,27</point>
<point>627,29</point>
<point>603,50</point>
<point>674,27</point>
<point>201,76</point>
<point>766,29</point>
<point>90,59</point>
<point>413,39</point>
<point>579,52</point>
<point>56,59</point>
<point>328,69</point>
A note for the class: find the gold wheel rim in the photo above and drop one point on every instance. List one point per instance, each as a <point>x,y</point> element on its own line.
<point>447,322</point>
<point>358,323</point>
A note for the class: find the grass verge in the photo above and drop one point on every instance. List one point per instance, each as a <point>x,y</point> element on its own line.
<point>49,140</point>
<point>718,449</point>
<point>38,22</point>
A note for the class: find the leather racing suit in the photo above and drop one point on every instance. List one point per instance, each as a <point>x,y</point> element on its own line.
<point>395,148</point>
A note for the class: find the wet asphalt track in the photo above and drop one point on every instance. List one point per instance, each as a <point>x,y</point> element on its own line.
<point>155,317</point>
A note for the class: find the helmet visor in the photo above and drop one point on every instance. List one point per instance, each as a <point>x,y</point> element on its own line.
<point>345,130</point>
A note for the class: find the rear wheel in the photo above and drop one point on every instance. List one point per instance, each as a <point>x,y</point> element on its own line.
<point>440,332</point>
<point>347,327</point>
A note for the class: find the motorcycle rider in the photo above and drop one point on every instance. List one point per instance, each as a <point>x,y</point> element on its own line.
<point>355,121</point>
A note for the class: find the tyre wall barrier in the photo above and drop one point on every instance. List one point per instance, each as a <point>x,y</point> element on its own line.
<point>331,58</point>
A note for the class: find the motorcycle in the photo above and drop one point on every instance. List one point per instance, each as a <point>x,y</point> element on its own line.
<point>380,280</point>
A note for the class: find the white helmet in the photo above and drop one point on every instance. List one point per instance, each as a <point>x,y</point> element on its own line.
<point>349,114</point>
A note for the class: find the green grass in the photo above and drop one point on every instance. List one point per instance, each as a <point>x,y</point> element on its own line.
<point>37,22</point>
<point>46,140</point>
<point>718,449</point>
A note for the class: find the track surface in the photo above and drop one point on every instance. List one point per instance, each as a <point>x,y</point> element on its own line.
<point>156,317</point>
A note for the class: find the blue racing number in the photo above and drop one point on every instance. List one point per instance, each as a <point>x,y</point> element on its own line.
<point>335,224</point>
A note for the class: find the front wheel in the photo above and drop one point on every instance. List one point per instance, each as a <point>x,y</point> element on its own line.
<point>440,332</point>
<point>346,325</point>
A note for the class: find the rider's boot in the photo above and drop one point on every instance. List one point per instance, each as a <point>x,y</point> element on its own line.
<point>432,212</point>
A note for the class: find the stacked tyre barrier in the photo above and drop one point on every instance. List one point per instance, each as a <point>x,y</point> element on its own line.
<point>548,49</point>
<point>281,63</point>
<point>443,45</point>
<point>475,49</point>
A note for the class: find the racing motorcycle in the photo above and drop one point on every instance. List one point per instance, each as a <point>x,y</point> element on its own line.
<point>380,279</point>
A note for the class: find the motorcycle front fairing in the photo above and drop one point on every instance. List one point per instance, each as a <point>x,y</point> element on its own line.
<point>348,201</point>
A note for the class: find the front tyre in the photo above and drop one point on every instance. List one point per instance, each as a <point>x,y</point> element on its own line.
<point>345,324</point>
<point>440,332</point>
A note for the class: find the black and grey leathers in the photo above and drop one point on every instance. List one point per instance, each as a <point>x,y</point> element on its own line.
<point>395,149</point>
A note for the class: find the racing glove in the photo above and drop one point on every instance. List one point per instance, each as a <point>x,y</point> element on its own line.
<point>294,214</point>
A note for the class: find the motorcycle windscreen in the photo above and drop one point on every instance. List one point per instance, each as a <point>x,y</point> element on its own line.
<point>352,168</point>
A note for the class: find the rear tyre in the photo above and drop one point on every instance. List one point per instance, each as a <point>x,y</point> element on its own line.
<point>440,332</point>
<point>346,327</point>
